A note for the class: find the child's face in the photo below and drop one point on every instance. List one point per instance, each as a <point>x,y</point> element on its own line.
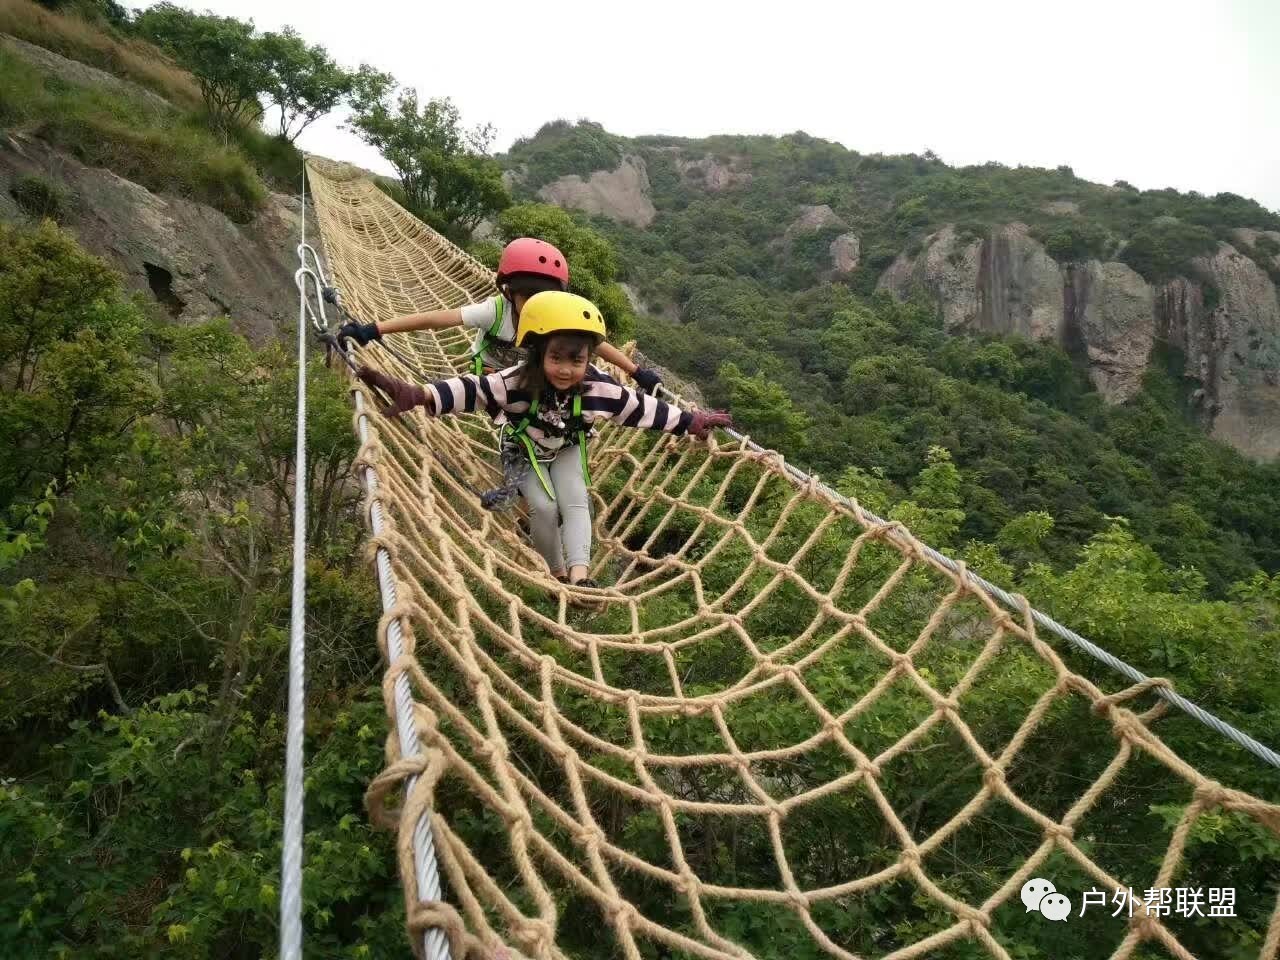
<point>565,364</point>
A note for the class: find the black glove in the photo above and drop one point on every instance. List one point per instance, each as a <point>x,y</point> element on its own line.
<point>647,380</point>
<point>361,333</point>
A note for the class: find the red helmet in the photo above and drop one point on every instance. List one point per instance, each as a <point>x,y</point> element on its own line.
<point>527,255</point>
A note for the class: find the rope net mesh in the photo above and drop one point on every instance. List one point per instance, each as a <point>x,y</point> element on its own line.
<point>754,738</point>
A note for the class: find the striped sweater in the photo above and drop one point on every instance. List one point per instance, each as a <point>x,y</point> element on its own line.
<point>603,398</point>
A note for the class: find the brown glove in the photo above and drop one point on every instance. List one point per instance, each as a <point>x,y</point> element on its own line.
<point>404,396</point>
<point>702,422</point>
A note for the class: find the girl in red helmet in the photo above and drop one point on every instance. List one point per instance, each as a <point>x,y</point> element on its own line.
<point>527,266</point>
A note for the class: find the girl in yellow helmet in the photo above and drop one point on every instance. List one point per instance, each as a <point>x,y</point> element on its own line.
<point>551,401</point>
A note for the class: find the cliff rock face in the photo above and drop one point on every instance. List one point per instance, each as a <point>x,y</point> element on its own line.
<point>639,304</point>
<point>1184,323</point>
<point>710,174</point>
<point>1233,349</point>
<point>1019,286</point>
<point>1109,311</point>
<point>946,269</point>
<point>1226,319</point>
<point>511,179</point>
<point>1251,237</point>
<point>622,194</point>
<point>197,263</point>
<point>846,251</point>
<point>813,218</point>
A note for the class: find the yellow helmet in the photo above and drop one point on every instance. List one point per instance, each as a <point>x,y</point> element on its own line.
<point>554,311</point>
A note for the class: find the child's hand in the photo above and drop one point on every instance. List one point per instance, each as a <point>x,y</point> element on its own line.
<point>704,421</point>
<point>404,396</point>
<point>361,333</point>
<point>647,380</point>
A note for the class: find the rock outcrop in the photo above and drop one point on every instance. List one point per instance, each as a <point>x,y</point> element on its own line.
<point>1185,323</point>
<point>946,270</point>
<point>511,179</point>
<point>1005,283</point>
<point>668,311</point>
<point>846,252</point>
<point>813,218</point>
<point>1109,311</point>
<point>1225,319</point>
<point>622,194</point>
<point>1251,237</point>
<point>191,258</point>
<point>1234,350</point>
<point>1019,286</point>
<point>712,175</point>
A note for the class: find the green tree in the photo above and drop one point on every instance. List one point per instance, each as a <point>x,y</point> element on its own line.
<point>934,512</point>
<point>762,408</point>
<point>143,642</point>
<point>444,170</point>
<point>560,148</point>
<point>67,340</point>
<point>49,289</point>
<point>1022,538</point>
<point>851,335</point>
<point>224,54</point>
<point>1165,247</point>
<point>867,487</point>
<point>303,80</point>
<point>1077,239</point>
<point>22,533</point>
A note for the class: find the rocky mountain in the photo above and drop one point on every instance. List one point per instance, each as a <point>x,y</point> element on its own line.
<point>1108,316</point>
<point>1117,277</point>
<point>194,260</point>
<point>622,194</point>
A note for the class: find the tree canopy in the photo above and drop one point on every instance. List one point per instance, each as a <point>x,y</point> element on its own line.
<point>223,54</point>
<point>238,68</point>
<point>444,169</point>
<point>302,80</point>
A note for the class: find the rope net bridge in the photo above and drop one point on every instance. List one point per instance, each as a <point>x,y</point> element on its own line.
<point>785,723</point>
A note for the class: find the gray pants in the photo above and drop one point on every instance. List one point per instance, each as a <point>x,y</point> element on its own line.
<point>561,527</point>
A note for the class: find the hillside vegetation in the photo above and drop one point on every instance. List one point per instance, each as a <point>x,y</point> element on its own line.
<point>91,33</point>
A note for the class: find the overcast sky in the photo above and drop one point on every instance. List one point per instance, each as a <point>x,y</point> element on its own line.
<point>1171,93</point>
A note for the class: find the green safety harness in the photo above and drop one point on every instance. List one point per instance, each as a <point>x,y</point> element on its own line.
<point>521,432</point>
<point>477,362</point>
